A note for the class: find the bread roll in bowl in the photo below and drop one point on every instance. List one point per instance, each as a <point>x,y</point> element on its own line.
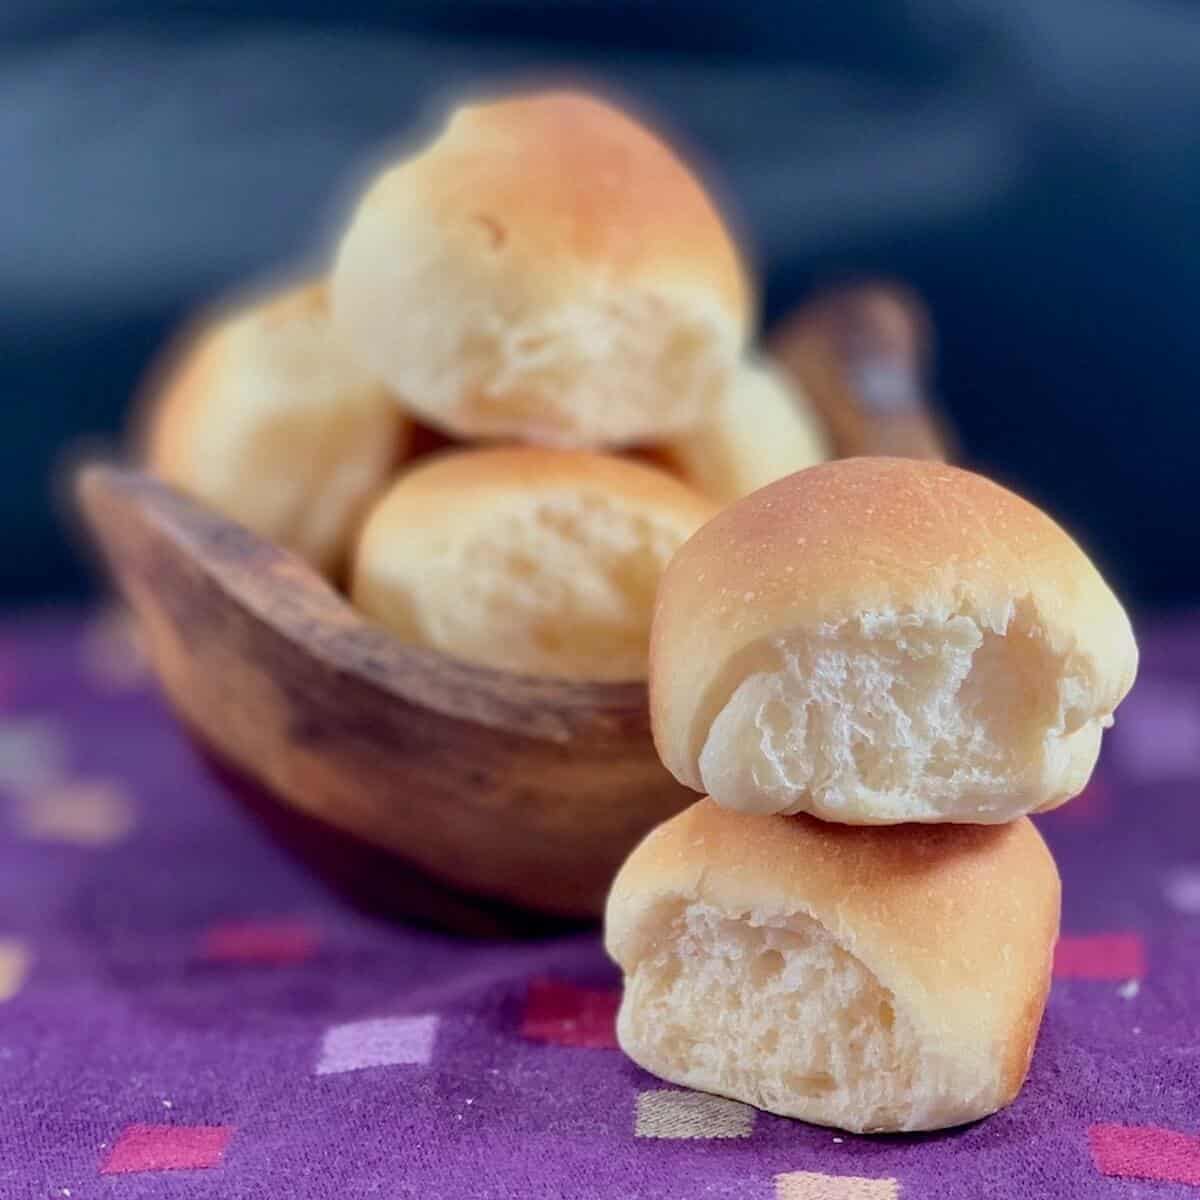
<point>881,640</point>
<point>267,419</point>
<point>763,429</point>
<point>545,270</point>
<point>528,560</point>
<point>876,980</point>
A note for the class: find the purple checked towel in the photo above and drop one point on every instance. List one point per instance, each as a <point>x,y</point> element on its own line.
<point>184,1013</point>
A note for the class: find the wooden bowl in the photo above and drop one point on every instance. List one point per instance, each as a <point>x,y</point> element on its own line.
<point>420,785</point>
<point>449,793</point>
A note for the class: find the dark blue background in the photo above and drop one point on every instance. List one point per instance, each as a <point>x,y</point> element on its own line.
<point>1032,166</point>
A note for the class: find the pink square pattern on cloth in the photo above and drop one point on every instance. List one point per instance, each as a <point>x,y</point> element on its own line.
<point>1158,734</point>
<point>1146,1152</point>
<point>1181,888</point>
<point>377,1042</point>
<point>567,1015</point>
<point>277,942</point>
<point>167,1148</point>
<point>1100,956</point>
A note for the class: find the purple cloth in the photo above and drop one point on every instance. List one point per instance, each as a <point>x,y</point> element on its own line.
<point>185,1013</point>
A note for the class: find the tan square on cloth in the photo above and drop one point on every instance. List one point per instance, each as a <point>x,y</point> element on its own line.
<point>812,1185</point>
<point>83,812</point>
<point>671,1114</point>
<point>14,966</point>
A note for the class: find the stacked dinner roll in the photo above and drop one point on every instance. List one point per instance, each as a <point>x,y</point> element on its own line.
<point>875,668</point>
<point>872,979</point>
<point>546,273</point>
<point>883,640</point>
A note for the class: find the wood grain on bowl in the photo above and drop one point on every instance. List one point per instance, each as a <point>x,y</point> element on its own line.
<point>525,792</point>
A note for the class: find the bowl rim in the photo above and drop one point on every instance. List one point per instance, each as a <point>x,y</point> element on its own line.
<point>236,560</point>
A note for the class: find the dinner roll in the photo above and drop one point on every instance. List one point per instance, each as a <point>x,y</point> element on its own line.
<point>540,562</point>
<point>878,640</point>
<point>268,421</point>
<point>548,270</point>
<point>877,980</point>
<point>763,429</point>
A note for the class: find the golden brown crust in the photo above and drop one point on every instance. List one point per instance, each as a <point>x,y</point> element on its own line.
<point>1015,1066</point>
<point>260,413</point>
<point>868,535</point>
<point>957,921</point>
<point>171,418</point>
<point>569,177</point>
<point>176,398</point>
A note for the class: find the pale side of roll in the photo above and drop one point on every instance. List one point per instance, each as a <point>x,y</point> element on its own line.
<point>876,980</point>
<point>546,270</point>
<point>266,419</point>
<point>528,560</point>
<point>883,640</point>
<point>764,428</point>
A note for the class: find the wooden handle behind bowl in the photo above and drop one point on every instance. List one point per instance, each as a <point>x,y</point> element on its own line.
<point>862,353</point>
